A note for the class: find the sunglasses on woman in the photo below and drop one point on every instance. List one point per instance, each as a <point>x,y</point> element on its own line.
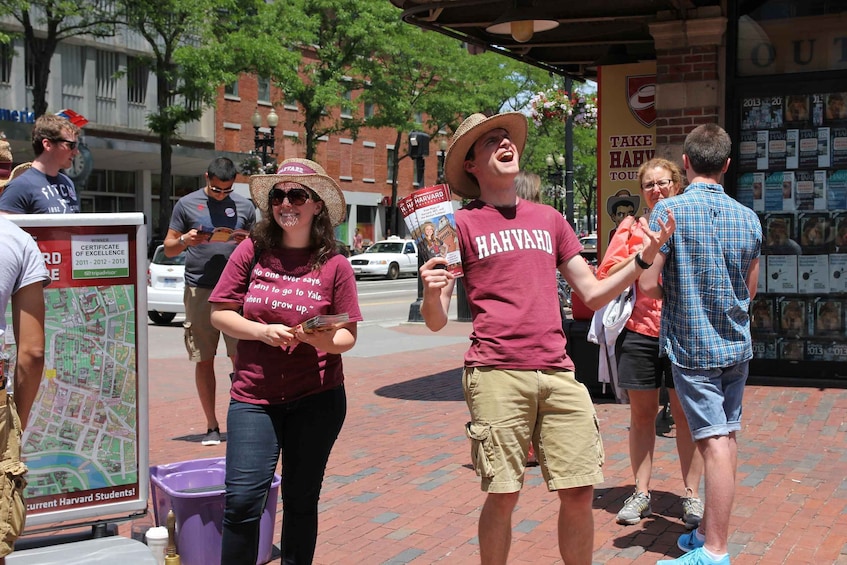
<point>296,196</point>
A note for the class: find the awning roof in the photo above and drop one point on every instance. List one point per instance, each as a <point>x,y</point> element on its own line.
<point>589,33</point>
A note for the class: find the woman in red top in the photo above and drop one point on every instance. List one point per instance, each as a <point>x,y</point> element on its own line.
<point>641,371</point>
<point>287,391</point>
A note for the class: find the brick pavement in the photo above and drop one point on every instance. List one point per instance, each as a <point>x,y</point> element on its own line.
<point>399,488</point>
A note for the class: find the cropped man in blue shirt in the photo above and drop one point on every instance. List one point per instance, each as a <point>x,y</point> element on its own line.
<point>709,270</point>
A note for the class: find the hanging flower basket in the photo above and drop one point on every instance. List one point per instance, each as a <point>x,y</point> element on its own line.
<point>558,105</point>
<point>252,165</point>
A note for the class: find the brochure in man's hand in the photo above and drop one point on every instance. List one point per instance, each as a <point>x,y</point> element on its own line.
<point>324,322</point>
<point>428,213</point>
<point>221,235</point>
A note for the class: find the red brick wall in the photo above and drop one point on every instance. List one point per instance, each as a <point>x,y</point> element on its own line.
<point>684,65</point>
<point>329,152</point>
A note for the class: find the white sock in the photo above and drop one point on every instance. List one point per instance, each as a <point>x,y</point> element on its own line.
<point>713,556</point>
<point>700,537</point>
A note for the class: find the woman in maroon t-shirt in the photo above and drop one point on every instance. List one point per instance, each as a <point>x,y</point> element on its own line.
<point>287,392</point>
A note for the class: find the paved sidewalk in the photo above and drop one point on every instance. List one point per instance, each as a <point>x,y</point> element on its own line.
<point>399,487</point>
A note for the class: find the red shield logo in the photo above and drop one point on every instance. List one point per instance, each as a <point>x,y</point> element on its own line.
<point>641,98</point>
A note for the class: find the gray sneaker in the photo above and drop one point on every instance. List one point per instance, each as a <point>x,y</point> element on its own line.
<point>692,512</point>
<point>635,508</point>
<point>212,437</point>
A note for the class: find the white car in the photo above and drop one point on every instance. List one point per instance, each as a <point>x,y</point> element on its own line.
<point>388,258</point>
<point>589,242</point>
<point>165,284</point>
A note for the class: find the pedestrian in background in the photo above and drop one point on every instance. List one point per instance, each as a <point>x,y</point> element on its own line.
<point>23,277</point>
<point>528,186</point>
<point>287,392</point>
<point>642,372</point>
<point>195,214</point>
<point>358,241</point>
<point>709,270</point>
<point>518,381</point>
<point>43,188</point>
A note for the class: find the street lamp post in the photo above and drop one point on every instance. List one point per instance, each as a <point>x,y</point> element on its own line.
<point>556,177</point>
<point>262,140</point>
<point>442,153</point>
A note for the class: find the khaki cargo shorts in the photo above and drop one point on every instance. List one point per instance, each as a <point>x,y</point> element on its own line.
<point>511,408</point>
<point>12,470</point>
<point>201,337</point>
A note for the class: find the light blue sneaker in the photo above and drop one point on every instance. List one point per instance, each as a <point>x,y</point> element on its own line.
<point>695,557</point>
<point>689,541</point>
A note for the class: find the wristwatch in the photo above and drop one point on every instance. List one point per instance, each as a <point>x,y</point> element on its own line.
<point>641,262</point>
<point>182,241</point>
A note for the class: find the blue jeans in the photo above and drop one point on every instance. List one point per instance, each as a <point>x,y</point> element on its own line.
<point>711,398</point>
<point>304,431</point>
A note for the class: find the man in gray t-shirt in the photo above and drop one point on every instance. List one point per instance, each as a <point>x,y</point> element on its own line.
<point>44,189</point>
<point>202,225</point>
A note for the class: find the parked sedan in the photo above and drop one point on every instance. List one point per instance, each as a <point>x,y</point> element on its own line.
<point>165,284</point>
<point>388,258</point>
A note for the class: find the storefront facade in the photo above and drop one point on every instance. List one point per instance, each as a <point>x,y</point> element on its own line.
<point>774,75</point>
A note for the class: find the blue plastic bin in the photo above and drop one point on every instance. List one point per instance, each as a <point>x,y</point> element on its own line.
<point>195,491</point>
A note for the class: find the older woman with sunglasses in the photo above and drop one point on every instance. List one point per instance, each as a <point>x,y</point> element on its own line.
<point>287,392</point>
<point>641,371</point>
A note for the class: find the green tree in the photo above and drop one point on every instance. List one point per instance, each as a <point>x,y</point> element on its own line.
<point>428,82</point>
<point>340,41</point>
<point>549,139</point>
<point>48,22</point>
<point>196,47</point>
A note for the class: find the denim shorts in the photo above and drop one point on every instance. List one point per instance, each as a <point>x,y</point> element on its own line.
<point>639,364</point>
<point>711,398</point>
<point>510,408</point>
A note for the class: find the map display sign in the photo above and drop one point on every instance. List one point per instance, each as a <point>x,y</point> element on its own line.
<point>86,442</point>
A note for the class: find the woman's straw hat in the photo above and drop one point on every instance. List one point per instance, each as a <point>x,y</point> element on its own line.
<point>309,174</point>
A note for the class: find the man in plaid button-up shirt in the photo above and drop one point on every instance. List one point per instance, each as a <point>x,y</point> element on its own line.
<point>709,270</point>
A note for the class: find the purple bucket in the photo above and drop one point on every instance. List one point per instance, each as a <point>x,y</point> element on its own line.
<point>194,490</point>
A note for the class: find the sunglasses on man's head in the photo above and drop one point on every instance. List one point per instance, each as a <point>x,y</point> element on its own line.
<point>71,144</point>
<point>296,196</point>
<point>220,190</point>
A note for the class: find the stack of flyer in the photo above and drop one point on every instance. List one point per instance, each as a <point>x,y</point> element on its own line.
<point>428,213</point>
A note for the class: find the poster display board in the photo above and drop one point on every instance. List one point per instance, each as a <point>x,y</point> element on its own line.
<point>792,170</point>
<point>86,444</point>
<point>626,139</point>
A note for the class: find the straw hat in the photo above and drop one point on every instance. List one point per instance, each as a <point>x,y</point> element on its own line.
<point>309,174</point>
<point>5,158</point>
<point>16,172</point>
<point>472,128</point>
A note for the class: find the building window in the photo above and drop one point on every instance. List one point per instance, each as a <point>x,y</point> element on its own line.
<point>419,118</point>
<point>29,67</point>
<point>346,159</point>
<point>264,89</point>
<point>392,153</point>
<point>420,167</point>
<point>369,110</point>
<point>138,73</point>
<point>107,71</point>
<point>231,89</point>
<point>5,63</point>
<point>368,151</point>
<point>347,105</point>
<point>109,191</point>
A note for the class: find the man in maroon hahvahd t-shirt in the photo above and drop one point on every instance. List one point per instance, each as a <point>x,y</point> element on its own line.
<point>519,383</point>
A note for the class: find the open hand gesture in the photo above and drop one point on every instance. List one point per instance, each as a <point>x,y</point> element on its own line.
<point>654,240</point>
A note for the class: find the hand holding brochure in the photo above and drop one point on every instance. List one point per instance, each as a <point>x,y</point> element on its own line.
<point>222,235</point>
<point>324,322</point>
<point>428,213</point>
